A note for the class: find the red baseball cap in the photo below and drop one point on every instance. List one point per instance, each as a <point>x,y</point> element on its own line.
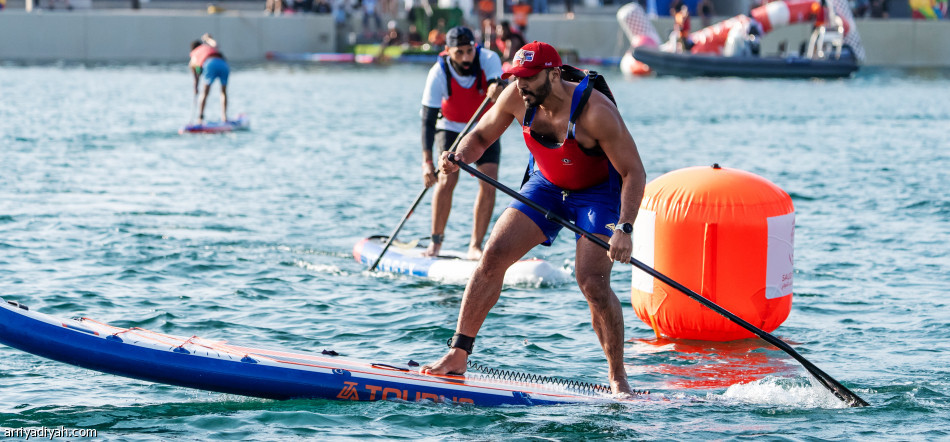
<point>533,58</point>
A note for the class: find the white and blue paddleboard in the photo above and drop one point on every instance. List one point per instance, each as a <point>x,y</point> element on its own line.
<point>450,266</point>
<point>216,365</point>
<point>216,127</point>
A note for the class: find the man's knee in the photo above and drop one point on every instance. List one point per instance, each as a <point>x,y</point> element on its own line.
<point>448,180</point>
<point>486,189</point>
<point>595,287</point>
<point>493,261</point>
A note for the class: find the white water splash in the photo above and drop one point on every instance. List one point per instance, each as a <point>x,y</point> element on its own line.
<point>320,268</point>
<point>795,393</point>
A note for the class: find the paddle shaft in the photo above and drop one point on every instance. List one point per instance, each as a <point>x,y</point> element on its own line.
<point>458,139</point>
<point>194,108</point>
<point>834,386</point>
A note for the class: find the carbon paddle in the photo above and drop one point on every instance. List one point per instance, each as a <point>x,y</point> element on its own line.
<point>392,236</point>
<point>832,385</point>
<point>194,109</point>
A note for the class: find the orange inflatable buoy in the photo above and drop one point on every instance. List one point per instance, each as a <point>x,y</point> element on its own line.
<point>724,233</point>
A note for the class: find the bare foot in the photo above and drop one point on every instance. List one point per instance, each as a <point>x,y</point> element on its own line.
<point>433,249</point>
<point>454,362</point>
<point>621,388</point>
<point>474,253</point>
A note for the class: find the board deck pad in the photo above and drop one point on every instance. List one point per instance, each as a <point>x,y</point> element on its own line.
<point>216,365</point>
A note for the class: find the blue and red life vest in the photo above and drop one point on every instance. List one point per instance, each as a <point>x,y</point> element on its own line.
<point>568,165</point>
<point>461,102</point>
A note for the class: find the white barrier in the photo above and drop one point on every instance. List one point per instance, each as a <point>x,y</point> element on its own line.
<point>164,36</point>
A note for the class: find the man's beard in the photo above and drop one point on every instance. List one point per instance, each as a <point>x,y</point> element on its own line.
<point>464,68</point>
<point>532,99</point>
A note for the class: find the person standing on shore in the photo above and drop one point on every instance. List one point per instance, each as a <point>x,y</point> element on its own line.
<point>456,86</point>
<point>508,41</point>
<point>274,7</point>
<point>707,11</point>
<point>520,10</point>
<point>681,28</point>
<point>436,35</point>
<point>588,171</point>
<point>207,61</point>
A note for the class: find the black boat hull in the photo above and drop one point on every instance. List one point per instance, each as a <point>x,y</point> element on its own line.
<point>702,65</point>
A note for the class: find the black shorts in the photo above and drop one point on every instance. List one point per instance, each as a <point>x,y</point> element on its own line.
<point>445,138</point>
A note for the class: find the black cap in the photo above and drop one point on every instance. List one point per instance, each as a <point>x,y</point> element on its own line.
<point>459,36</point>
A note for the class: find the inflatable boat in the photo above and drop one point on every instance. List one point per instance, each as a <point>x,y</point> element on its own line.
<point>705,65</point>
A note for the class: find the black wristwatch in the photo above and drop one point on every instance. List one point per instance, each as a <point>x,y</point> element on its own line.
<point>624,227</point>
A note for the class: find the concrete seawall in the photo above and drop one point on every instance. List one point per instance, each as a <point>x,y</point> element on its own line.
<point>156,36</point>
<point>164,36</point>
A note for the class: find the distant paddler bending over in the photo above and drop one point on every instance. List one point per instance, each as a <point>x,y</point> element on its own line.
<point>207,59</point>
<point>589,172</point>
<point>457,84</point>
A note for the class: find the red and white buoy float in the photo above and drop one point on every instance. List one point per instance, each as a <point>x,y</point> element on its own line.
<point>726,234</point>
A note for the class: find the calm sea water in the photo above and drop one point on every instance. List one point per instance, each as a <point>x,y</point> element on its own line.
<point>106,212</point>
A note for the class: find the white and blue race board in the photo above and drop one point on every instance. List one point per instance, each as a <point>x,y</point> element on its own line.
<point>215,365</point>
<point>450,266</point>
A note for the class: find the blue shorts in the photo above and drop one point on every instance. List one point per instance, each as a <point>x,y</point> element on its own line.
<point>216,67</point>
<point>592,209</point>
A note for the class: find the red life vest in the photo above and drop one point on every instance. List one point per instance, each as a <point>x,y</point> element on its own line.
<point>568,165</point>
<point>682,19</point>
<point>462,103</point>
<point>203,53</point>
<point>500,44</point>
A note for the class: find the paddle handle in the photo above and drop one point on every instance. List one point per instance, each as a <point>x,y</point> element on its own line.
<point>458,139</point>
<point>832,385</point>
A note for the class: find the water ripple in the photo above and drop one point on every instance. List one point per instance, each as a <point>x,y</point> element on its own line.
<point>248,237</point>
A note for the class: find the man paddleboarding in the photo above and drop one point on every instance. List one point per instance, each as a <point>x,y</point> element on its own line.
<point>588,171</point>
<point>457,84</point>
<point>206,59</point>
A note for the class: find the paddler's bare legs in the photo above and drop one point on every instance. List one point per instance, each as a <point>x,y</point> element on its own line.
<point>593,276</point>
<point>204,100</point>
<point>484,205</point>
<point>441,206</point>
<point>224,103</point>
<point>513,236</point>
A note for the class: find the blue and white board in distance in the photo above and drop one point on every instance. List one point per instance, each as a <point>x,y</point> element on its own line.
<point>450,266</point>
<point>216,365</point>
